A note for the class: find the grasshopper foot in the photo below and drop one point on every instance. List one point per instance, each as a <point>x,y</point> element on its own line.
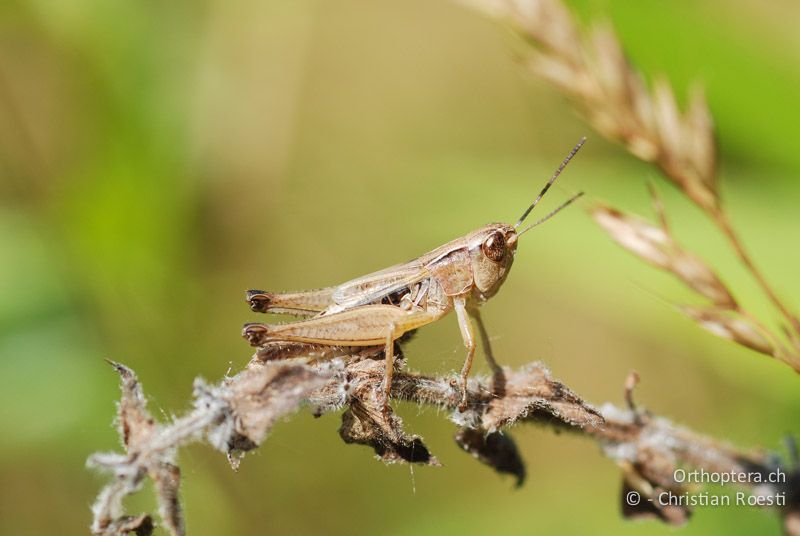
<point>256,334</point>
<point>462,407</point>
<point>259,300</point>
<point>386,409</point>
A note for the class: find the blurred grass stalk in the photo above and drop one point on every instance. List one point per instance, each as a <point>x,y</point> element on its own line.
<point>590,67</point>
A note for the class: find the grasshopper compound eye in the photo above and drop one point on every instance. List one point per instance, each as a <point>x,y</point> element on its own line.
<point>495,247</point>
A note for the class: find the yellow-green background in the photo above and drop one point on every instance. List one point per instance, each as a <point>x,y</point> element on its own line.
<point>159,158</point>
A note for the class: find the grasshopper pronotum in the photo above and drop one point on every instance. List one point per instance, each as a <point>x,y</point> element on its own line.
<point>377,309</point>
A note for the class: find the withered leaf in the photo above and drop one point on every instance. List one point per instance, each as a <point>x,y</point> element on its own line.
<point>265,393</point>
<point>531,393</point>
<point>495,449</point>
<point>133,420</point>
<point>650,509</point>
<point>141,525</point>
<point>368,424</point>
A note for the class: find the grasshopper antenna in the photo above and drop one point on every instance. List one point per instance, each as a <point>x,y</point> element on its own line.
<point>563,205</point>
<point>547,187</point>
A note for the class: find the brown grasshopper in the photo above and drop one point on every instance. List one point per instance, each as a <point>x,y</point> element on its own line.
<point>377,309</point>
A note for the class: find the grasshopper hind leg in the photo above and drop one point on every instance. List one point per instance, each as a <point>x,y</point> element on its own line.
<point>304,303</point>
<point>376,325</point>
<point>396,334</point>
<point>391,336</point>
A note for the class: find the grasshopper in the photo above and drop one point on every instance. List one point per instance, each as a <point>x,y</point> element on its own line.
<point>377,309</point>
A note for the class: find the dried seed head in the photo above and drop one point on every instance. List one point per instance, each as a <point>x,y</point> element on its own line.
<point>701,143</point>
<point>647,241</point>
<point>730,325</point>
<point>656,246</point>
<point>695,273</point>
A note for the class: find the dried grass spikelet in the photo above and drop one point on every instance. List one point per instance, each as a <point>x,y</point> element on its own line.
<point>656,246</point>
<point>730,325</point>
<point>794,341</point>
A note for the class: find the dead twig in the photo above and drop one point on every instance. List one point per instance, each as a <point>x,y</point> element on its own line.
<point>236,415</point>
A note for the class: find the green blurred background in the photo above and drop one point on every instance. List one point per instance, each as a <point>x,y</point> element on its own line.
<point>159,158</point>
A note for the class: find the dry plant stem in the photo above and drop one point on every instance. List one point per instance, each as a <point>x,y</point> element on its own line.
<point>782,352</point>
<point>724,224</point>
<point>235,416</point>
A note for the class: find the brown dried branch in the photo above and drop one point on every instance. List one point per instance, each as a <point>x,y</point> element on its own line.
<point>589,66</point>
<point>236,415</point>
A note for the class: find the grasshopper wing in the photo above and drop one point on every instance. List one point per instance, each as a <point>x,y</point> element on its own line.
<point>372,288</point>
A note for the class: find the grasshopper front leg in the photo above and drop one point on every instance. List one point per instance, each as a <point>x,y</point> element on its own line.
<point>468,335</point>
<point>368,325</point>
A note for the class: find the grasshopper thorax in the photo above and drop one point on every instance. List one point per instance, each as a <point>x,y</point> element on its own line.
<point>491,251</point>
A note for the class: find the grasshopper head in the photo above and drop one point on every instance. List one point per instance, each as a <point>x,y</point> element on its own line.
<point>491,250</point>
<point>492,247</point>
